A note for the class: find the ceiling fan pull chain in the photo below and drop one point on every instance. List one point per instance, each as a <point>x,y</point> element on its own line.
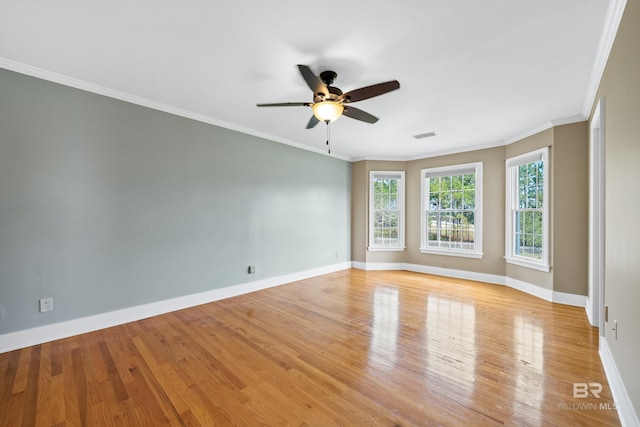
<point>328,137</point>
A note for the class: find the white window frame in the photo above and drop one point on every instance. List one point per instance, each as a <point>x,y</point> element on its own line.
<point>511,204</point>
<point>448,171</point>
<point>400,176</point>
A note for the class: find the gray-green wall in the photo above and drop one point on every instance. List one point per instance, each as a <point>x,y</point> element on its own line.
<point>107,205</point>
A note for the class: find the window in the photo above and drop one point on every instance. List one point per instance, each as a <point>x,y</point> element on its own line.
<point>386,211</point>
<point>527,216</point>
<point>452,210</point>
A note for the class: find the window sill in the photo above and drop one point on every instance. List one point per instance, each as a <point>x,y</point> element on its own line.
<point>528,264</point>
<point>447,252</point>
<point>385,249</point>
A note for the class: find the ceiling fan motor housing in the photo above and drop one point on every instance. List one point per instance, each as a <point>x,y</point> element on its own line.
<point>328,77</point>
<point>334,94</point>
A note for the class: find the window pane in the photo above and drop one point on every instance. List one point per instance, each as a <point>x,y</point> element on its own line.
<point>434,200</point>
<point>432,227</point>
<point>537,247</point>
<point>393,186</point>
<point>377,201</point>
<point>532,197</point>
<point>470,181</point>
<point>540,170</point>
<point>522,176</point>
<point>445,183</point>
<point>385,185</point>
<point>519,244</point>
<point>470,218</point>
<point>456,182</point>
<point>457,200</point>
<point>469,199</point>
<point>377,238</point>
<point>522,197</point>
<point>520,222</point>
<point>393,201</point>
<point>377,222</point>
<point>445,227</point>
<point>434,184</point>
<point>392,218</point>
<point>532,172</point>
<point>540,198</point>
<point>537,222</point>
<point>445,200</point>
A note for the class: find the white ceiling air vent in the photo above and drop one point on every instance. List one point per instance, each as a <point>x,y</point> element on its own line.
<point>424,135</point>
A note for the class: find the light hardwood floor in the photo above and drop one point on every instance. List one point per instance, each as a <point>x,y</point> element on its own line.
<point>351,348</point>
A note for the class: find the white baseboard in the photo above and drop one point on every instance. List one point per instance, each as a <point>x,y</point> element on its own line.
<point>42,334</point>
<point>588,308</point>
<point>547,294</point>
<point>624,405</point>
<point>535,290</point>
<point>570,299</point>
<point>378,265</point>
<point>456,274</point>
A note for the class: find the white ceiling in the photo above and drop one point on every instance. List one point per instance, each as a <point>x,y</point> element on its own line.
<point>479,74</point>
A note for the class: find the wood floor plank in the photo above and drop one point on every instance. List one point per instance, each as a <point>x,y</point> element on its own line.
<point>351,348</point>
<point>76,390</point>
<point>31,391</point>
<point>10,367</point>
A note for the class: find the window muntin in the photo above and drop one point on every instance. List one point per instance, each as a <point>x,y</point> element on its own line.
<point>527,213</point>
<point>386,210</point>
<point>451,210</point>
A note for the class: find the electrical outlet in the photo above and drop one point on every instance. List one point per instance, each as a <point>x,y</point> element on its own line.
<point>46,304</point>
<point>251,269</point>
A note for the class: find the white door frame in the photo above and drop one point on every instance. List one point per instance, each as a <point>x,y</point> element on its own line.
<point>595,299</point>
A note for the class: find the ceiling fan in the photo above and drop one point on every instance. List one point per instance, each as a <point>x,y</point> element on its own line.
<point>329,103</point>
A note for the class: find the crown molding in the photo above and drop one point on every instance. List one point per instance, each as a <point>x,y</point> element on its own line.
<point>611,24</point>
<point>518,137</point>
<point>527,133</point>
<point>569,120</point>
<point>43,74</point>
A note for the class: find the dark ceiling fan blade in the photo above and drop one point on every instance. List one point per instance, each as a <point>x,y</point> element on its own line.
<point>287,104</point>
<point>358,114</point>
<point>312,122</point>
<point>370,91</point>
<point>314,82</point>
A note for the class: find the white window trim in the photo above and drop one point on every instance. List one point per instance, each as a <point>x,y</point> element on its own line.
<point>401,208</point>
<point>511,200</point>
<point>444,171</point>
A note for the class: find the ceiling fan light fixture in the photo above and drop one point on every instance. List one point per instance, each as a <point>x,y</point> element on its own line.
<point>327,111</point>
